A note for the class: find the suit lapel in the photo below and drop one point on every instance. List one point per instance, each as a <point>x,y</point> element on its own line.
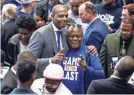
<point>52,38</point>
<point>130,49</point>
<point>64,41</point>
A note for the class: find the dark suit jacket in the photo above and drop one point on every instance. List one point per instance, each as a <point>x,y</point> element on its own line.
<point>43,45</point>
<point>8,29</point>
<point>9,82</point>
<point>110,48</point>
<point>96,34</point>
<point>110,86</point>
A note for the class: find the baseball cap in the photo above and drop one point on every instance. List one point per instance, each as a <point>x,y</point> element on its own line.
<point>53,71</point>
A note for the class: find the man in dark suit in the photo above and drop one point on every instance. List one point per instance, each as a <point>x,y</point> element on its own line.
<point>9,27</point>
<point>97,30</point>
<point>44,42</point>
<point>25,71</point>
<point>10,80</point>
<point>117,45</point>
<point>117,83</point>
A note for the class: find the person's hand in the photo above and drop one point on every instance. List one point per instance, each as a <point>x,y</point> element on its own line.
<point>110,29</point>
<point>92,50</point>
<point>83,64</point>
<point>58,57</point>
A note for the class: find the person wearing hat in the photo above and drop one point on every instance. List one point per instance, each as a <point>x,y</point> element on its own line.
<point>52,81</point>
<point>28,7</point>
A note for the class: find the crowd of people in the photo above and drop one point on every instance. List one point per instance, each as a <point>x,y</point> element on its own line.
<point>67,46</point>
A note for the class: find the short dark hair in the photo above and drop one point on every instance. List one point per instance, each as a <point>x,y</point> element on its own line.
<point>128,20</point>
<point>27,22</point>
<point>25,69</point>
<point>89,6</point>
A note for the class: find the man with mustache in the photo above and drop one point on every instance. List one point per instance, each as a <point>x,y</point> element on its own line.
<point>117,45</point>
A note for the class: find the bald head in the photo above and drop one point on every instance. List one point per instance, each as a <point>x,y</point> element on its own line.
<point>26,55</point>
<point>58,8</point>
<point>125,67</point>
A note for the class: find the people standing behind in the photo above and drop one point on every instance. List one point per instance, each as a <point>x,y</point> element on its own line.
<point>45,8</point>
<point>28,7</point>
<point>117,83</point>
<point>9,81</point>
<point>73,13</point>
<point>19,42</point>
<point>96,30</point>
<point>128,11</point>
<point>52,82</point>
<point>117,45</point>
<point>8,27</point>
<point>40,20</point>
<point>110,13</point>
<point>25,71</point>
<point>80,68</point>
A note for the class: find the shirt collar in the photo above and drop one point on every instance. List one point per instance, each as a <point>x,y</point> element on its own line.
<point>92,20</point>
<point>54,27</point>
<point>13,70</point>
<point>113,76</point>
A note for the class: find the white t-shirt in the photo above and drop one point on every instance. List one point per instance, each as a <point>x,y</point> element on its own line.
<point>23,48</point>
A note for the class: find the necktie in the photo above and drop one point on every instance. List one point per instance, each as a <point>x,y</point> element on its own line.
<point>123,50</point>
<point>58,40</point>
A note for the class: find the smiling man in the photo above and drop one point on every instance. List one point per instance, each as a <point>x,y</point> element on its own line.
<point>49,39</point>
<point>79,67</point>
<point>117,45</point>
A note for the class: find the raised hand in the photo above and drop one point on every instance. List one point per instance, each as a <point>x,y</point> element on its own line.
<point>58,57</point>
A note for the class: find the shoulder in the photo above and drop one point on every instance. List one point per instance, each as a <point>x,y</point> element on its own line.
<point>14,40</point>
<point>112,36</point>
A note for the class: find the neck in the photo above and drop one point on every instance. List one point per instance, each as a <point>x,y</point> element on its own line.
<point>24,85</point>
<point>25,43</point>
<point>92,18</point>
<point>27,10</point>
<point>116,73</point>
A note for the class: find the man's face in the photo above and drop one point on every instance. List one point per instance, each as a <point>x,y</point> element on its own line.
<point>60,18</point>
<point>108,2</point>
<point>125,13</point>
<point>83,14</point>
<point>51,85</point>
<point>75,6</point>
<point>126,31</point>
<point>75,38</point>
<point>25,34</point>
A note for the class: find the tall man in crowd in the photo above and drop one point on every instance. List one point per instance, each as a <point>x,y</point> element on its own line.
<point>117,45</point>
<point>73,13</point>
<point>46,41</point>
<point>110,12</point>
<point>97,30</point>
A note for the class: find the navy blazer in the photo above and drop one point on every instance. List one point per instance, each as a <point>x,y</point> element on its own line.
<point>96,33</point>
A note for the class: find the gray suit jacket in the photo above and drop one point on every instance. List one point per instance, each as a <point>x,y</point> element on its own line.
<point>43,45</point>
<point>111,47</point>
